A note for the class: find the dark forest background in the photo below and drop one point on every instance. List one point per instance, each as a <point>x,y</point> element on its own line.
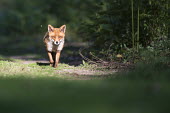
<point>130,28</point>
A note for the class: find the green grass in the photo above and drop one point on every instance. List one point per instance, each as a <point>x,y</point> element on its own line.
<point>53,95</point>
<point>17,69</point>
<point>30,88</point>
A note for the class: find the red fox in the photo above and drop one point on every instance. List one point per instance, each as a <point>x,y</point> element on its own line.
<point>54,42</point>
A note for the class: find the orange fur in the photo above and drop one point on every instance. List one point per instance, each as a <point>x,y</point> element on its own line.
<point>54,41</point>
<point>56,33</point>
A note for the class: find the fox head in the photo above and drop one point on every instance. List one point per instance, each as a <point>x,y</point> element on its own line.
<point>56,34</point>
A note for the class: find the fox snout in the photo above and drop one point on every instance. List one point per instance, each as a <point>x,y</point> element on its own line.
<point>56,42</point>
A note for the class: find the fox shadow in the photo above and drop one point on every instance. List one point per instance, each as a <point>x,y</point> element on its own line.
<point>42,64</point>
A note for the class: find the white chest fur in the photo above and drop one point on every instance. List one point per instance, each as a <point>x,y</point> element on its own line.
<point>53,47</point>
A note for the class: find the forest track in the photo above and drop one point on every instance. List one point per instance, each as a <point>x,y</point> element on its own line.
<point>74,72</point>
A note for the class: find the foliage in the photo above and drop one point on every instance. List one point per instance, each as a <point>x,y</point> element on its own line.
<point>105,24</point>
<point>30,17</point>
<point>110,28</point>
<point>154,69</point>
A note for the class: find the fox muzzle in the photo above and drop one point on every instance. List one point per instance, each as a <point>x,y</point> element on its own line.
<point>56,42</point>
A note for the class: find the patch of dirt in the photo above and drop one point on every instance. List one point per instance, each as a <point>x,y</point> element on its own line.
<point>86,72</point>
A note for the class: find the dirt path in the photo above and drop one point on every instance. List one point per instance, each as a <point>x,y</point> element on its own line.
<point>78,72</point>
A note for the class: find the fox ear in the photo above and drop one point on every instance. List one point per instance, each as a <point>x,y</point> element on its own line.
<point>63,28</point>
<point>50,28</point>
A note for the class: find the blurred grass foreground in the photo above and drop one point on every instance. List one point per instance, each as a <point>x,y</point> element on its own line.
<point>51,96</point>
<point>26,88</point>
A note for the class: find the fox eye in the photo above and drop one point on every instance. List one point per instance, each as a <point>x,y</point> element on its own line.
<point>60,36</point>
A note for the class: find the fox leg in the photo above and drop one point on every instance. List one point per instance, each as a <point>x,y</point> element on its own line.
<point>57,57</point>
<point>54,57</point>
<point>50,58</point>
